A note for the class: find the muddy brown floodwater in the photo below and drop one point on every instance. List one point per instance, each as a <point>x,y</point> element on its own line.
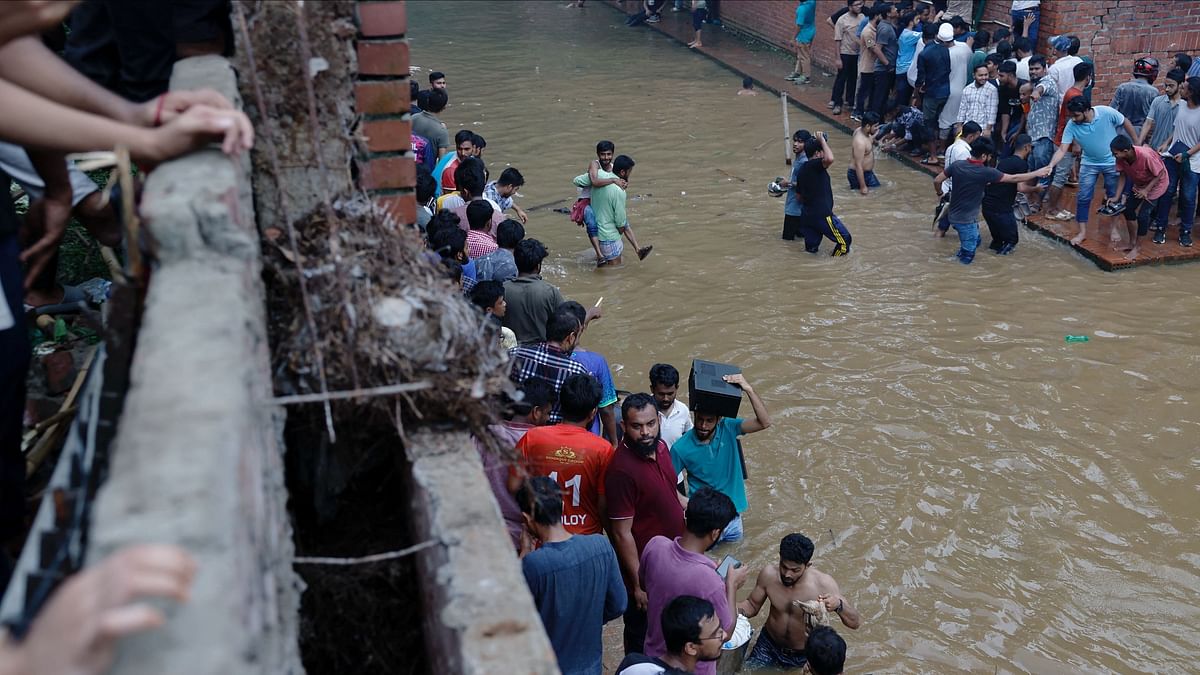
<point>992,498</point>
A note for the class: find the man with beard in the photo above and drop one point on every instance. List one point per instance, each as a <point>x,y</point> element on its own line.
<point>792,582</point>
<point>693,635</point>
<point>674,420</point>
<point>642,503</point>
<point>710,455</point>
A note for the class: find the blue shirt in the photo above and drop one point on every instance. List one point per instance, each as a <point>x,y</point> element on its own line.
<point>1094,137</point>
<point>793,207</point>
<point>577,588</point>
<point>806,27</point>
<point>716,464</point>
<point>597,365</point>
<point>908,47</point>
<point>933,70</point>
<point>441,167</point>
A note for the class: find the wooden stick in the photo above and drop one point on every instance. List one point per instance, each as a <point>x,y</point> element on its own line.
<point>39,452</point>
<point>353,393</point>
<point>787,130</point>
<point>378,557</point>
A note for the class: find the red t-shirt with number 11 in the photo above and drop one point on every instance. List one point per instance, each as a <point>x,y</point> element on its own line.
<point>577,460</point>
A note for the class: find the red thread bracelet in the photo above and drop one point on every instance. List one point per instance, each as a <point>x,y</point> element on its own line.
<point>162,98</point>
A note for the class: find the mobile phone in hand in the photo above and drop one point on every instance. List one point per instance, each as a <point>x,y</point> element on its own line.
<point>728,563</point>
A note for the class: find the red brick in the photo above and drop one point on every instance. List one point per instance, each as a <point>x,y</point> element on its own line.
<point>389,172</point>
<point>383,58</point>
<point>382,19</point>
<point>388,135</point>
<point>402,207</point>
<point>382,98</point>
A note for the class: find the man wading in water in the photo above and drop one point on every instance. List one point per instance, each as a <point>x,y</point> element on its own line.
<point>793,581</point>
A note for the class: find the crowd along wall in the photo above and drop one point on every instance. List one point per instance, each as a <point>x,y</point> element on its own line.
<point>1113,32</point>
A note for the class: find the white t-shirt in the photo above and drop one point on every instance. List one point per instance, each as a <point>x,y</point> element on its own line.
<point>1187,131</point>
<point>1063,72</point>
<point>1022,5</point>
<point>912,67</point>
<point>675,423</point>
<point>958,150</point>
<point>1023,69</point>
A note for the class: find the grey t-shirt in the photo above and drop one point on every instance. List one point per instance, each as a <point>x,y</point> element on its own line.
<point>1163,111</point>
<point>425,124</point>
<point>970,181</point>
<point>889,44</point>
<point>1132,99</point>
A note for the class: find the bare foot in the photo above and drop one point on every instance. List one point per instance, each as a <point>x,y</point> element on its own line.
<point>695,45</point>
<point>1133,253</point>
<point>1078,239</point>
<point>940,233</point>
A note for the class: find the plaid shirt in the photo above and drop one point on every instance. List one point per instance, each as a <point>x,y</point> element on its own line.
<point>547,363</point>
<point>1043,113</point>
<point>979,104</point>
<point>480,243</point>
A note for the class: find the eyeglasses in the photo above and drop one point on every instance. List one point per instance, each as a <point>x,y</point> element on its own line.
<point>719,634</point>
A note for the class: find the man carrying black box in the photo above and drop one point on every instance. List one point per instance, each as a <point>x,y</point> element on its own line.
<point>709,454</point>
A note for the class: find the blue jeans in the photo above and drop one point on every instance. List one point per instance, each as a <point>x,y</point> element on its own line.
<point>1029,17</point>
<point>733,531</point>
<point>1188,181</point>
<point>1041,154</point>
<point>968,241</point>
<point>1164,202</point>
<point>1089,174</point>
<point>589,221</point>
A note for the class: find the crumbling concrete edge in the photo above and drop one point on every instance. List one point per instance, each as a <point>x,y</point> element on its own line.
<point>479,615</point>
<point>198,457</point>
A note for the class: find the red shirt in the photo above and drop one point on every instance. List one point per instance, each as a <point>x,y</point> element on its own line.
<point>576,459</point>
<point>480,243</point>
<point>644,489</point>
<point>448,176</point>
<point>1147,167</point>
<point>1063,114</point>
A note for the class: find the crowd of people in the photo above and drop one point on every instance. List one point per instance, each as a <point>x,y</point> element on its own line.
<point>917,77</point>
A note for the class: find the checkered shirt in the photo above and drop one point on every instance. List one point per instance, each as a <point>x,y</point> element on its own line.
<point>545,362</point>
<point>979,104</point>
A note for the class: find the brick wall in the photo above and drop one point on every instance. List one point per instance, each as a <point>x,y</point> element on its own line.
<point>381,97</point>
<point>1113,32</point>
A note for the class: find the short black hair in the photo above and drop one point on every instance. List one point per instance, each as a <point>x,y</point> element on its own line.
<point>605,146</point>
<point>579,396</point>
<point>929,31</point>
<point>1121,143</point>
<point>448,241</point>
<point>907,18</point>
<point>664,374</point>
<point>1177,74</point>
<point>486,293</point>
<point>1005,49</point>
<point>796,548</point>
<point>982,146</point>
<point>708,510</point>
<point>1021,141</point>
<point>1004,66</point>
<point>541,498</point>
<point>1037,60</point>
<point>510,176</point>
<point>469,176</point>
<point>681,621</point>
<point>574,308</point>
<point>1082,70</point>
<point>435,100</point>
<point>1001,33</point>
<point>1183,61</point>
<point>477,140</point>
<point>509,233</point>
<point>1194,89</point>
<point>479,214</point>
<point>562,322</point>
<point>463,136</point>
<point>1078,104</point>
<point>825,651</point>
<point>1073,46</point>
<point>982,64</point>
<point>747,82</point>
<point>452,270</point>
<point>982,39</point>
<point>622,163</point>
<point>436,75</point>
<point>971,127</point>
<point>426,185</point>
<point>801,135</point>
<point>414,91</point>
<point>811,146</point>
<point>528,254</point>
<point>1021,44</point>
<point>534,393</point>
<point>870,117</point>
<point>441,220</point>
<point>636,401</point>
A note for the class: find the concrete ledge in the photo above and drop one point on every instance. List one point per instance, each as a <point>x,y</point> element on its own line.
<point>479,615</point>
<point>197,459</point>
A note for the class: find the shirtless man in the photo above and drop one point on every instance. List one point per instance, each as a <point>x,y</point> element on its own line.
<point>605,152</point>
<point>792,581</point>
<point>861,172</point>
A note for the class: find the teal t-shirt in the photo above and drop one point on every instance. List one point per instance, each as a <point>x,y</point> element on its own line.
<point>1094,137</point>
<point>715,464</point>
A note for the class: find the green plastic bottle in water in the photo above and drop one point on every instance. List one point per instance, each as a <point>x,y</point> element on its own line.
<point>1077,338</point>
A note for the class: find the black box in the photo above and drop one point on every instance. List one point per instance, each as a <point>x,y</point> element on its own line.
<point>708,393</point>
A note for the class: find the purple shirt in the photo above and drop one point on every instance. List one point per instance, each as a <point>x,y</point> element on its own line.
<point>496,471</point>
<point>669,571</point>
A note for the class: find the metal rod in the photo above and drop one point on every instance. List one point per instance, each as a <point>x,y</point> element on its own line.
<point>787,130</point>
<point>327,396</point>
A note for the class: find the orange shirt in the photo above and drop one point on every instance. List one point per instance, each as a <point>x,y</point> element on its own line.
<point>577,460</point>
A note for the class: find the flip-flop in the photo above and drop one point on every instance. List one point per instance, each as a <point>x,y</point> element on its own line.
<point>74,300</point>
<point>645,251</point>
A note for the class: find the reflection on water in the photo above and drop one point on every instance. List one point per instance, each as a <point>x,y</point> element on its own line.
<point>991,497</point>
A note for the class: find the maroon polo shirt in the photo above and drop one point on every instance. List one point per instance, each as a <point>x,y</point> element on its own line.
<point>644,489</point>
